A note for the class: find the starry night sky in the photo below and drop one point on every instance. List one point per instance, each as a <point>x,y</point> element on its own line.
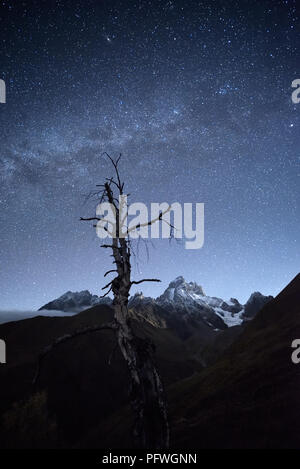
<point>196,96</point>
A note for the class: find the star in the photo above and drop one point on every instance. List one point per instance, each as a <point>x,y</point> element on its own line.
<point>203,118</point>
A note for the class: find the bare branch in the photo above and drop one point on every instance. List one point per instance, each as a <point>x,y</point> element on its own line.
<point>170,225</point>
<point>139,225</point>
<point>106,286</point>
<point>105,294</point>
<point>134,282</point>
<point>90,195</point>
<point>115,165</point>
<point>109,271</point>
<point>67,337</point>
<point>110,180</point>
<point>98,219</point>
<point>89,219</point>
<point>118,159</point>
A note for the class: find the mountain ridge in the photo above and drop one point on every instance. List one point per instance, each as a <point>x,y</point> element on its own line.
<point>181,298</point>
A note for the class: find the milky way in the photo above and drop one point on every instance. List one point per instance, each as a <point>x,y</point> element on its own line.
<point>196,96</point>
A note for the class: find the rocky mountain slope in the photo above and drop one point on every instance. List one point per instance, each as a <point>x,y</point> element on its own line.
<point>247,399</point>
<point>85,380</point>
<point>235,387</point>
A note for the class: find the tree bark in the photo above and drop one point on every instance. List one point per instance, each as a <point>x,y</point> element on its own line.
<point>151,428</point>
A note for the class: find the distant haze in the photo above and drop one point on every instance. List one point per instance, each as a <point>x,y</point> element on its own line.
<point>8,316</point>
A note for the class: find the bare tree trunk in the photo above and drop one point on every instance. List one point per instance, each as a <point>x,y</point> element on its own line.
<point>151,428</point>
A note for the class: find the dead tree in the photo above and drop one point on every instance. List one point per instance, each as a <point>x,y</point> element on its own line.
<point>151,427</point>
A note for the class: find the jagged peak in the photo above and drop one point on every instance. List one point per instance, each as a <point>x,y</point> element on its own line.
<point>255,302</point>
<point>187,286</point>
<point>177,281</point>
<point>138,294</point>
<point>257,296</point>
<point>76,293</point>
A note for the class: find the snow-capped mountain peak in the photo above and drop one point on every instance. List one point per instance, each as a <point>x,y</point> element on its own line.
<point>179,288</point>
<point>191,297</point>
<point>75,301</point>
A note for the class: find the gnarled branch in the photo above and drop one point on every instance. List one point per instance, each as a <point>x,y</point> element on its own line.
<point>109,271</point>
<point>61,340</point>
<point>106,286</point>
<point>150,222</point>
<point>136,282</point>
<point>105,294</point>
